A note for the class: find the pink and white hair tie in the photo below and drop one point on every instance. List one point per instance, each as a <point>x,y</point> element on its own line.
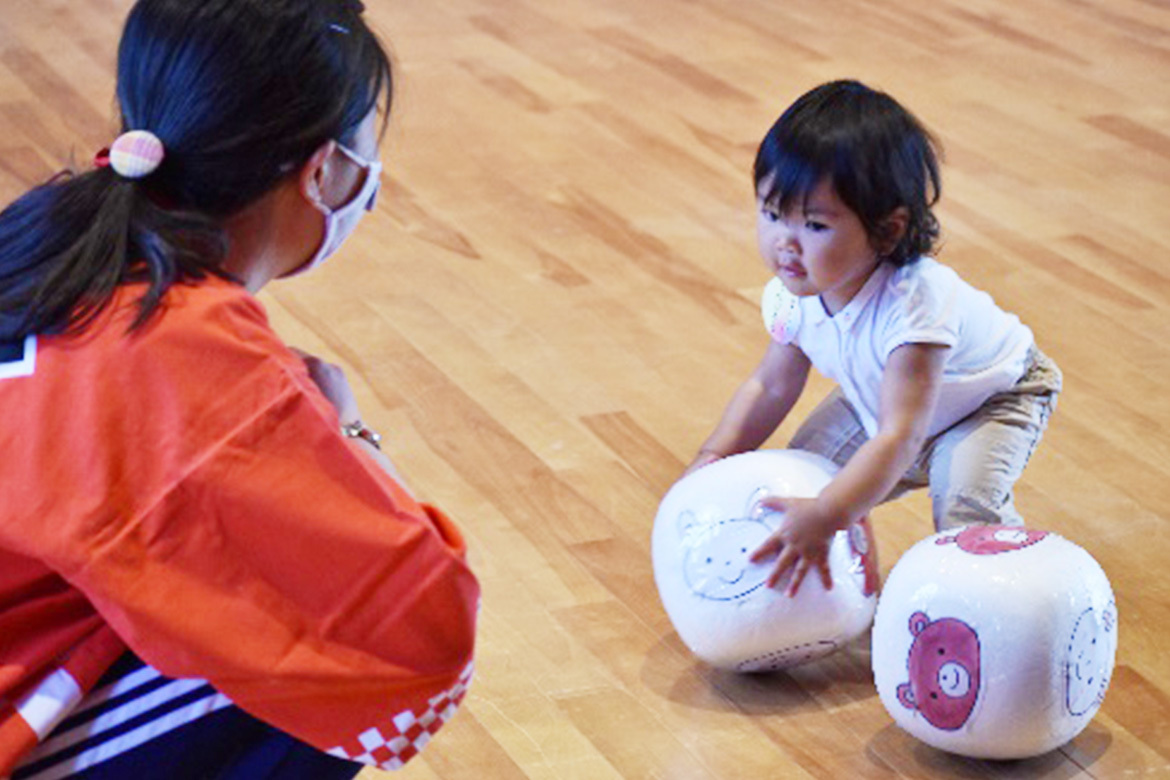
<point>136,154</point>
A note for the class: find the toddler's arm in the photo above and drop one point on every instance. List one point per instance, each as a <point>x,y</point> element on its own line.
<point>759,405</point>
<point>910,388</point>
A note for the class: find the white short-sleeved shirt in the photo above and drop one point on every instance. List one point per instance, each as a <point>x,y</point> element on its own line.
<point>924,302</point>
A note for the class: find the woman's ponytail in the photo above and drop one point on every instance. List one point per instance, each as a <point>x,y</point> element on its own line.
<point>221,100</point>
<point>67,245</point>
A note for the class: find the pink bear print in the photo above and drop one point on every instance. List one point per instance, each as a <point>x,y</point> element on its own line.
<point>944,671</point>
<point>993,539</point>
<point>864,549</point>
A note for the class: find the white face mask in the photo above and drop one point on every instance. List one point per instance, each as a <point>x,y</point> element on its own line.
<point>341,222</point>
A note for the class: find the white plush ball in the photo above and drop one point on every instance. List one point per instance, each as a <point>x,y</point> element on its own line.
<point>707,526</point>
<point>994,642</point>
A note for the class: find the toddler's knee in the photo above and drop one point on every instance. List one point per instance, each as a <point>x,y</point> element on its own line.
<point>973,506</point>
<point>834,444</point>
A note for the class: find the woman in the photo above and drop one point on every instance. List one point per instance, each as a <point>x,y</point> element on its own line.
<point>207,567</point>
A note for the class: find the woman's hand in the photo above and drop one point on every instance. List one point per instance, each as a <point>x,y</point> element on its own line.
<point>331,381</point>
<point>801,541</point>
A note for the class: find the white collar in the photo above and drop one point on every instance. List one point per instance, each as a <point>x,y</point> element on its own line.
<point>851,312</point>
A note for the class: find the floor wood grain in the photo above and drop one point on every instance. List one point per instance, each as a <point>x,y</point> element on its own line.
<point>558,294</point>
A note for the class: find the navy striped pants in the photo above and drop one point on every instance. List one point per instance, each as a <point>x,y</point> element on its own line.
<point>138,725</point>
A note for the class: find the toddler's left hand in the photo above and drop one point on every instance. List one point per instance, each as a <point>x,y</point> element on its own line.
<point>802,541</point>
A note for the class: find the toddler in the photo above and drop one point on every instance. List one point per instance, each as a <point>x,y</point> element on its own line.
<point>937,386</point>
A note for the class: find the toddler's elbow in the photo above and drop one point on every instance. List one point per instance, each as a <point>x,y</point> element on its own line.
<point>903,443</point>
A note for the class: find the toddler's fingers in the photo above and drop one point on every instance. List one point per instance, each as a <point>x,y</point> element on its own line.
<point>772,545</point>
<point>798,575</point>
<point>785,562</point>
<point>826,575</point>
<point>775,503</point>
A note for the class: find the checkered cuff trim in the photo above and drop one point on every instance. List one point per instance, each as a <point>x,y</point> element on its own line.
<point>407,733</point>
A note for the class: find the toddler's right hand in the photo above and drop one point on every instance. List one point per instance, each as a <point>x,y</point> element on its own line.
<point>800,544</point>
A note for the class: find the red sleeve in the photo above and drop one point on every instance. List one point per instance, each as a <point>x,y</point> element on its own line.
<point>303,584</point>
<point>250,544</point>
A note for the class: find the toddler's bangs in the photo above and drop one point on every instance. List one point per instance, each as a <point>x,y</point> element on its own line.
<point>787,171</point>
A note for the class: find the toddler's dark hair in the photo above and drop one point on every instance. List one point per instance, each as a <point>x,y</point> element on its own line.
<point>876,155</point>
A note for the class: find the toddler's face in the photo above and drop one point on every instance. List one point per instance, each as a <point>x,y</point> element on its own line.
<point>816,248</point>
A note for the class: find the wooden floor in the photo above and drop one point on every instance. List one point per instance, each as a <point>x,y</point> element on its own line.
<point>559,293</point>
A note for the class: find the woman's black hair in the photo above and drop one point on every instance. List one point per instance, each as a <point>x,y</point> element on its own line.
<point>241,93</point>
<point>876,155</point>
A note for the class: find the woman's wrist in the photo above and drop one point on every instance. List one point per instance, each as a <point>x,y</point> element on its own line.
<point>359,430</point>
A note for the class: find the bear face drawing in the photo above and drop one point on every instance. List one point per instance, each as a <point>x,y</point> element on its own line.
<point>944,671</point>
<point>715,558</point>
<point>1087,661</point>
<point>993,539</point>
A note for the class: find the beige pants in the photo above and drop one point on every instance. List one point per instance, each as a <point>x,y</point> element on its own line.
<point>971,468</point>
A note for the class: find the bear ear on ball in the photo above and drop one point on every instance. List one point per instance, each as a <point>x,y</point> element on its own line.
<point>753,508</point>
<point>688,523</point>
<point>918,623</point>
<point>906,696</point>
